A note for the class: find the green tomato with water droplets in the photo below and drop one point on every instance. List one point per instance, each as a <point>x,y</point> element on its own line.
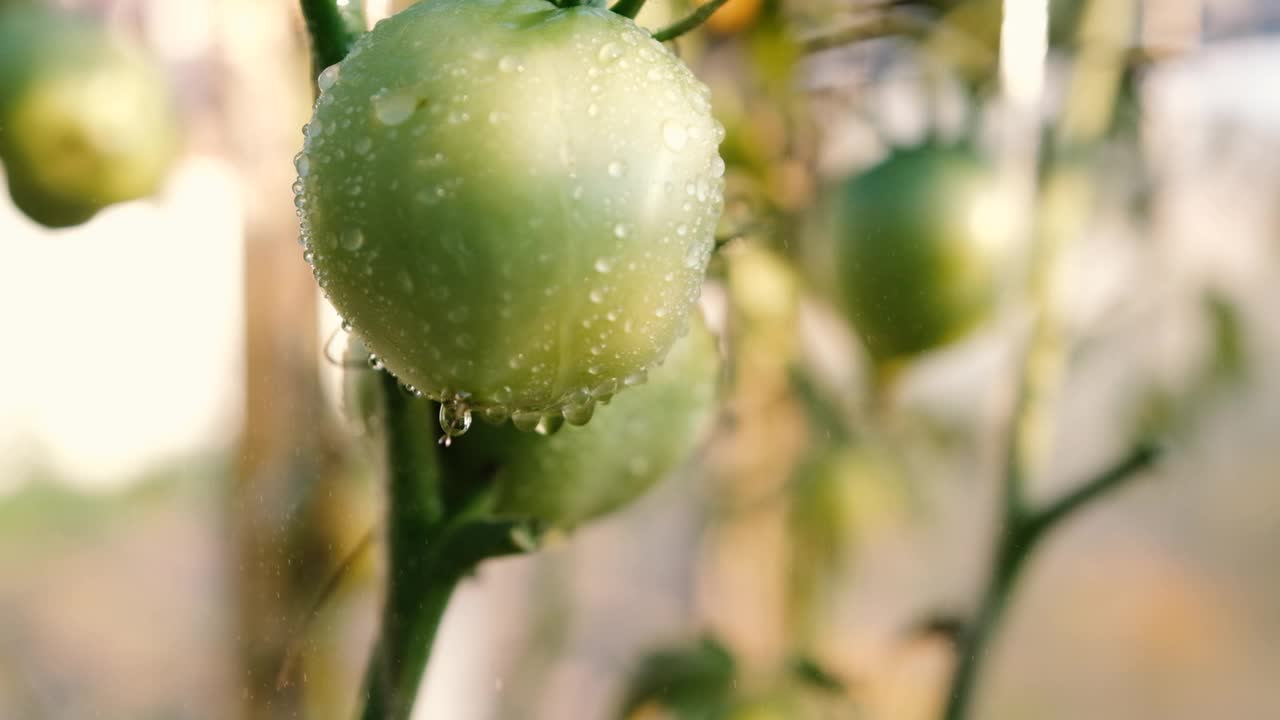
<point>513,204</point>
<point>576,474</point>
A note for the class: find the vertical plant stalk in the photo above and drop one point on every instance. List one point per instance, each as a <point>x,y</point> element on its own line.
<point>1065,197</point>
<point>333,27</point>
<point>430,549</point>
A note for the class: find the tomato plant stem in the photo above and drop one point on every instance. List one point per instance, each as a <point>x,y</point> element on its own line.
<point>1022,531</point>
<point>429,547</point>
<point>333,27</point>
<point>690,21</point>
<point>627,8</point>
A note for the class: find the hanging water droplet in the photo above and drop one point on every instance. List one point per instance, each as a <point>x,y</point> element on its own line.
<point>352,239</point>
<point>375,362</point>
<point>580,407</point>
<point>455,419</point>
<point>302,164</point>
<point>346,326</point>
<point>717,166</point>
<point>393,108</point>
<point>309,257</point>
<point>549,424</point>
<point>674,135</point>
<point>327,77</point>
<point>526,420</point>
<point>495,414</point>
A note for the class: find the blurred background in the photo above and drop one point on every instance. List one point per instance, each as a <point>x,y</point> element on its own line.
<point>179,482</point>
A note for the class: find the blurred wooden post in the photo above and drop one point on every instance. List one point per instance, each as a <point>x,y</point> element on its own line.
<point>279,554</point>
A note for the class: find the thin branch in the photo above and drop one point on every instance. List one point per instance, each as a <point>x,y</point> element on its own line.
<point>1139,459</point>
<point>1023,532</point>
<point>690,22</point>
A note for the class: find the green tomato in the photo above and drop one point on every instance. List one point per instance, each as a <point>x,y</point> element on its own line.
<point>917,248</point>
<point>512,203</point>
<point>579,473</point>
<point>87,120</point>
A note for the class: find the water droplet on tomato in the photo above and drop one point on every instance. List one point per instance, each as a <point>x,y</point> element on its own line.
<point>674,135</point>
<point>393,108</point>
<point>609,52</point>
<point>526,420</point>
<point>549,424</point>
<point>352,239</point>
<point>455,419</point>
<point>327,77</point>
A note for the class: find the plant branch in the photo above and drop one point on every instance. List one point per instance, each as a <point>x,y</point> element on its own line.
<point>627,8</point>
<point>1023,531</point>
<point>333,28</point>
<point>429,551</point>
<point>690,21</point>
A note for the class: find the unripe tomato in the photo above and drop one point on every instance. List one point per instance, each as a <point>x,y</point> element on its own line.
<point>917,248</point>
<point>512,203</point>
<point>579,473</point>
<point>85,119</point>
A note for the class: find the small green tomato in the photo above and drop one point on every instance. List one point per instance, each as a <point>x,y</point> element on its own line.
<point>85,119</point>
<point>918,248</point>
<point>579,473</point>
<point>512,203</point>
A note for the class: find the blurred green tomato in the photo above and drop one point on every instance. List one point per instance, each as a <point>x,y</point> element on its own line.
<point>917,239</point>
<point>85,119</point>
<point>579,473</point>
<point>512,203</point>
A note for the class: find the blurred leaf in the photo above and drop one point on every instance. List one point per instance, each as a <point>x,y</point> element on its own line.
<point>808,671</point>
<point>696,683</point>
<point>1228,361</point>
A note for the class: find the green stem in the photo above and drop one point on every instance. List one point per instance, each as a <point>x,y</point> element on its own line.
<point>627,8</point>
<point>1022,532</point>
<point>691,21</point>
<point>430,549</point>
<point>333,29</point>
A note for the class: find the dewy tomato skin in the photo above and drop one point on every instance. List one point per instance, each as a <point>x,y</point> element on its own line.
<point>512,204</point>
